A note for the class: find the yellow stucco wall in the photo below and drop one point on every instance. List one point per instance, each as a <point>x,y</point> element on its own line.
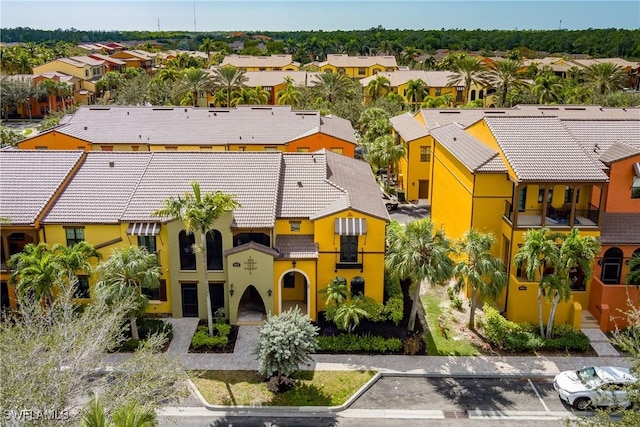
<point>373,245</point>
<point>417,170</point>
<point>241,278</point>
<point>490,193</point>
<point>54,141</point>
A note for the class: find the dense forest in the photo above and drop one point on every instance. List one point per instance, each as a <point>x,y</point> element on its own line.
<point>316,44</point>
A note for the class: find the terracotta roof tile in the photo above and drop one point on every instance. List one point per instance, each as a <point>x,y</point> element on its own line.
<point>470,151</point>
<point>618,151</point>
<point>247,61</point>
<point>408,127</point>
<point>297,246</point>
<point>620,228</point>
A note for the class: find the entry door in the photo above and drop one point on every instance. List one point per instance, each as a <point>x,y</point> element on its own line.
<point>189,299</point>
<point>423,189</point>
<point>4,295</point>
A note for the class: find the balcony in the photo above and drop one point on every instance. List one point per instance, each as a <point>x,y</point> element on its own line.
<point>553,217</point>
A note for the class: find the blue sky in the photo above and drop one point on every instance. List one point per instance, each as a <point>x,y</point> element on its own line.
<point>325,15</point>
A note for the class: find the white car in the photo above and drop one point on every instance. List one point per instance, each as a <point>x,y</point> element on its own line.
<point>391,202</point>
<point>594,386</point>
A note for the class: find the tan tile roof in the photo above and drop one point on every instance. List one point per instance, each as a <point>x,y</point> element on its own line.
<point>296,246</point>
<point>245,125</point>
<point>435,117</point>
<point>470,151</point>
<point>620,228</point>
<point>578,112</point>
<point>344,60</point>
<point>402,76</point>
<point>28,180</point>
<point>337,127</point>
<point>107,58</point>
<point>540,149</point>
<point>252,245</point>
<point>408,127</point>
<point>247,61</point>
<point>618,151</point>
<point>596,136</point>
<point>273,78</point>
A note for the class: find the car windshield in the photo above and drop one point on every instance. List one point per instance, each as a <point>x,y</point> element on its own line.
<point>589,377</point>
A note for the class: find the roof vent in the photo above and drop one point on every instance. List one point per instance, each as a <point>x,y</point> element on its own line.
<point>111,163</point>
<point>127,113</point>
<point>299,183</point>
<point>85,128</point>
<point>240,136</point>
<point>185,110</point>
<point>455,139</point>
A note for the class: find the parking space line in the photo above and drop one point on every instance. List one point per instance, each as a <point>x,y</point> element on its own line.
<point>535,390</point>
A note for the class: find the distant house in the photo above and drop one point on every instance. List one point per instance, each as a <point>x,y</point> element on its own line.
<point>274,81</point>
<point>279,62</point>
<point>87,69</point>
<point>357,67</point>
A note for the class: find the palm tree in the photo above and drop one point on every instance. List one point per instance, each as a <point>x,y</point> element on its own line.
<point>50,87</point>
<point>94,415</point>
<point>504,76</point>
<point>480,270</point>
<point>195,80</point>
<point>349,314</point>
<point>605,77</point>
<point>169,74</point>
<point>575,252</point>
<point>261,95</point>
<point>229,78</point>
<point>243,96</point>
<point>416,92</point>
<point>467,71</point>
<point>126,272</point>
<point>207,46</point>
<point>332,87</point>
<point>385,151</point>
<point>538,251</point>
<point>336,292</point>
<point>576,95</point>
<point>198,212</point>
<point>379,86</point>
<point>289,95</point>
<point>419,252</point>
<point>547,87</point>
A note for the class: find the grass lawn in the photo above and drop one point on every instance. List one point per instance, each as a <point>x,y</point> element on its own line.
<point>437,345</point>
<point>313,388</point>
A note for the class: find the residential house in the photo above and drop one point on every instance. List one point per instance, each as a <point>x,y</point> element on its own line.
<point>31,181</point>
<point>280,62</point>
<point>309,218</point>
<point>88,70</point>
<point>111,64</point>
<point>274,81</point>
<point>357,67</point>
<point>138,59</point>
<point>41,106</point>
<point>263,128</point>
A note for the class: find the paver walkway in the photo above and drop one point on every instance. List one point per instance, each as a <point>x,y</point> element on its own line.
<point>183,330</point>
<point>600,343</point>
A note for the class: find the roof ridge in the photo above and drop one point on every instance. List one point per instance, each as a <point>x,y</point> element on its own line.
<point>137,184</point>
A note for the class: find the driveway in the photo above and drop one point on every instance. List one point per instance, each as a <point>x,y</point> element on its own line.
<point>407,212</point>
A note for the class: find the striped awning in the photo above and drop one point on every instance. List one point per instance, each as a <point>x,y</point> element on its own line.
<point>350,226</point>
<point>636,168</point>
<point>143,229</point>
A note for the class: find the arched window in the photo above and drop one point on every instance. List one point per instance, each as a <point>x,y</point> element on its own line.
<point>473,95</point>
<point>357,286</point>
<point>214,250</point>
<point>187,256</point>
<point>481,94</point>
<point>242,238</point>
<point>611,266</point>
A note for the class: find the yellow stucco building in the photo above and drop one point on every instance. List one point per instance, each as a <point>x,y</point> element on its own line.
<point>357,67</point>
<point>304,219</point>
<point>279,62</point>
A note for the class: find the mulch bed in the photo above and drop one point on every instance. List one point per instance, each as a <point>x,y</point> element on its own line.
<point>233,335</point>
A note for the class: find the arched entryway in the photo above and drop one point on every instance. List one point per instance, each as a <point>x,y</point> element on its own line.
<point>251,306</point>
<point>611,266</point>
<point>294,291</point>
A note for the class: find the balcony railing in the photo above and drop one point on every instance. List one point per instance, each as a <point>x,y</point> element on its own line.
<point>554,217</point>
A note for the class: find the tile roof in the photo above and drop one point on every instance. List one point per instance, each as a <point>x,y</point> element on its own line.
<point>402,76</point>
<point>245,125</point>
<point>84,60</point>
<point>541,149</point>
<point>107,58</point>
<point>618,151</point>
<point>473,154</point>
<point>296,246</point>
<point>28,180</point>
<point>620,228</point>
<point>597,136</point>
<point>273,78</point>
<point>344,60</point>
<point>408,127</point>
<point>252,245</point>
<point>247,61</point>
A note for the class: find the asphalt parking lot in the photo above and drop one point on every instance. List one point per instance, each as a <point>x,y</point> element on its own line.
<point>408,212</point>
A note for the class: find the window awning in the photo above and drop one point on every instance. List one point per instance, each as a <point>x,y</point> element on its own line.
<point>143,229</point>
<point>636,168</point>
<point>350,226</point>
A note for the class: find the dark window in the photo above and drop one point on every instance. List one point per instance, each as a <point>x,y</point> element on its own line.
<point>216,293</point>
<point>290,280</point>
<point>348,248</point>
<point>473,95</point>
<point>362,71</point>
<point>295,225</point>
<point>242,238</point>
<point>481,94</point>
<point>4,295</point>
<point>568,194</point>
<point>522,199</point>
<point>82,287</point>
<point>148,242</point>
<point>611,266</point>
<point>357,286</point>
<point>151,293</point>
<point>541,195</point>
<point>187,257</point>
<point>635,188</point>
<point>74,235</point>
<point>214,250</point>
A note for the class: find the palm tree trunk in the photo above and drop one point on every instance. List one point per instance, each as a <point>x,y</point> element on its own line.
<point>472,315</point>
<point>203,251</point>
<point>414,308</point>
<point>134,328</point>
<point>552,314</point>
<point>540,321</point>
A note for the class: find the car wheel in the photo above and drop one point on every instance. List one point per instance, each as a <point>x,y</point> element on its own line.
<point>389,207</point>
<point>582,403</point>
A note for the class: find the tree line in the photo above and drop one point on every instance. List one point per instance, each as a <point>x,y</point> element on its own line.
<point>307,46</point>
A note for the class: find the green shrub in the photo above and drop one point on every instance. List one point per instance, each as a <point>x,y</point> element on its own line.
<point>523,342</point>
<point>375,310</point>
<point>496,327</point>
<point>572,341</point>
<point>202,339</point>
<point>346,343</point>
<point>456,303</point>
<point>221,329</point>
<point>394,309</point>
<point>148,327</point>
<point>412,344</point>
<point>392,286</point>
<point>130,345</point>
<point>450,293</point>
